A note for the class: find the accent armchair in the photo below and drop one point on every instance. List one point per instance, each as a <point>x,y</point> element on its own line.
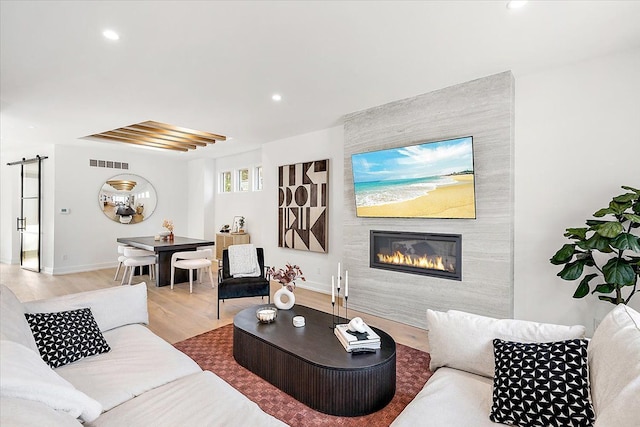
<point>242,287</point>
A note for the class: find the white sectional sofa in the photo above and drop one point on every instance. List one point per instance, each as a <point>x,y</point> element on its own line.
<point>460,392</point>
<point>141,381</point>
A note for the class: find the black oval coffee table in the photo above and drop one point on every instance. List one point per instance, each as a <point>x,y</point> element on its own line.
<point>310,364</point>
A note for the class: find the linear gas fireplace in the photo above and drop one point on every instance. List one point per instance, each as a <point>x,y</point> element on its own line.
<point>438,255</point>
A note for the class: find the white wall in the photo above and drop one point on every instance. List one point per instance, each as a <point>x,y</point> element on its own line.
<point>323,144</point>
<point>248,204</point>
<point>577,142</point>
<point>85,239</point>
<point>201,200</point>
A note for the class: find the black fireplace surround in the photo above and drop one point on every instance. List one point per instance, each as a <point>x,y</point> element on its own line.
<point>429,254</point>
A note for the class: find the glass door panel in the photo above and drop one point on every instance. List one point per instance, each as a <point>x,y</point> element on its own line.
<point>29,223</point>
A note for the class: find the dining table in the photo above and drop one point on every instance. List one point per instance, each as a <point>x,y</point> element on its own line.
<point>164,249</point>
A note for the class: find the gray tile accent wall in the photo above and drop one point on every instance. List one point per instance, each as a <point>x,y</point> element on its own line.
<point>484,109</point>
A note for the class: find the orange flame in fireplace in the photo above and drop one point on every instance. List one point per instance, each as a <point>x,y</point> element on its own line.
<point>424,261</point>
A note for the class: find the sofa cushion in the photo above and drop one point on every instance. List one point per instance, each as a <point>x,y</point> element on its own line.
<point>13,325</point>
<point>138,361</point>
<point>201,399</point>
<point>66,336</point>
<point>24,375</point>
<point>29,413</point>
<point>541,384</point>
<point>450,398</point>
<point>614,363</point>
<point>111,307</point>
<point>465,341</point>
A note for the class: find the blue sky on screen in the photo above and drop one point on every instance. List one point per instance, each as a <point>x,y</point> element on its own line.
<point>415,161</point>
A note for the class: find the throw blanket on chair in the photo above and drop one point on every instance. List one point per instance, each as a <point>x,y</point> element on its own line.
<point>243,261</point>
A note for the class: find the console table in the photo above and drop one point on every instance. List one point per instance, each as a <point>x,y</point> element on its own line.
<point>164,249</point>
<point>310,364</point>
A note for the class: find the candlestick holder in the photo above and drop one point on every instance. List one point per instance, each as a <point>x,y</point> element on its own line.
<point>346,307</point>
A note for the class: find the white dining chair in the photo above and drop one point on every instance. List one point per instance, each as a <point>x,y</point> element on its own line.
<point>121,259</point>
<point>138,258</point>
<point>192,260</point>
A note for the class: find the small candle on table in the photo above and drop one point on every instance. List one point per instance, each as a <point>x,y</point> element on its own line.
<point>339,271</point>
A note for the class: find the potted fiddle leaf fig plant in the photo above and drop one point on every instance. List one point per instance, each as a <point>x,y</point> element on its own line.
<point>614,239</point>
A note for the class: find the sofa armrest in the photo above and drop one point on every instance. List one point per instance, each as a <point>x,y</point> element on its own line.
<point>111,307</point>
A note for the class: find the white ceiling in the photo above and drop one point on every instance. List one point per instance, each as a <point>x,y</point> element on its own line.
<point>213,66</point>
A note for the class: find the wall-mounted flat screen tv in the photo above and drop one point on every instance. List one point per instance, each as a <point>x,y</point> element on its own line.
<point>425,180</point>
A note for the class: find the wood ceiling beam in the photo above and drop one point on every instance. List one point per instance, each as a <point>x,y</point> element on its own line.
<point>161,135</point>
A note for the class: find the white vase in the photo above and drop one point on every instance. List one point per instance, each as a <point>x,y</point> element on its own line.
<point>286,293</point>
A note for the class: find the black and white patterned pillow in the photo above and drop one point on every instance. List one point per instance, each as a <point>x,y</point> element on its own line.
<point>541,384</point>
<point>66,336</point>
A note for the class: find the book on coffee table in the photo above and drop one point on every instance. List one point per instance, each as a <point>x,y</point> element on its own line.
<point>368,340</point>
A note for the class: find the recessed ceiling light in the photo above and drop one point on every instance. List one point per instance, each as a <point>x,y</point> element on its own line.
<point>516,4</point>
<point>111,35</point>
<point>276,97</point>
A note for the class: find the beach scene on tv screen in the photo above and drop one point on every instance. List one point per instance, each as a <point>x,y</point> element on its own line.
<point>428,180</point>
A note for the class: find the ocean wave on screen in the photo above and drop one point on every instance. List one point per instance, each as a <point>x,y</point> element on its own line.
<point>385,193</point>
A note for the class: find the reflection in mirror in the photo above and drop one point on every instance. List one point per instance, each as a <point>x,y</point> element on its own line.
<point>127,199</point>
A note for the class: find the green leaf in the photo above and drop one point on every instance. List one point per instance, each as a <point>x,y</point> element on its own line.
<point>610,229</point>
<point>626,241</point>
<point>618,272</point>
<point>594,222</point>
<point>572,270</point>
<point>609,299</point>
<point>619,208</point>
<point>583,287</point>
<point>627,197</point>
<point>605,288</point>
<point>599,243</point>
<point>632,218</point>
<point>576,233</point>
<point>586,257</point>
<point>602,212</point>
<point>564,255</point>
<point>635,190</point>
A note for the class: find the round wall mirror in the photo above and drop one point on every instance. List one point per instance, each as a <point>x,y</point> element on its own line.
<point>127,199</point>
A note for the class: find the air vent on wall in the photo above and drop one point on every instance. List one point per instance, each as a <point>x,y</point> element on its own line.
<point>108,164</point>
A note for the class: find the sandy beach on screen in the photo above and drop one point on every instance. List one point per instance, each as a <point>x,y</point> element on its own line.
<point>450,201</point>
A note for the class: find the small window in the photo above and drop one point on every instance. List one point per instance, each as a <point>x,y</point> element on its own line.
<point>257,185</point>
<point>243,180</point>
<point>225,180</point>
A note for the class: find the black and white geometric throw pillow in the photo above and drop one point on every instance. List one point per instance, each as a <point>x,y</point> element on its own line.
<point>541,384</point>
<point>66,336</point>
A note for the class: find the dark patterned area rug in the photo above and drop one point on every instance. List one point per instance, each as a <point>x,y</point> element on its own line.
<point>213,351</point>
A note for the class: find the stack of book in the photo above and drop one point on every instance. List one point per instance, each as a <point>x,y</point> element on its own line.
<point>357,342</point>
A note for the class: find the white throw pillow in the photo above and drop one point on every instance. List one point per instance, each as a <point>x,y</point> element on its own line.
<point>13,325</point>
<point>465,341</point>
<point>614,364</point>
<point>24,375</point>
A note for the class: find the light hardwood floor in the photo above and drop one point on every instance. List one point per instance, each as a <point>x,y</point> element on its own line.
<point>175,314</point>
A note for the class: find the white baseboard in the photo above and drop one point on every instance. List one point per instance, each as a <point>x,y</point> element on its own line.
<point>81,268</point>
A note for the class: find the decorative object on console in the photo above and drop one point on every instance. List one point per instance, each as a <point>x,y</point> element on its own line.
<point>286,277</point>
<point>127,199</point>
<point>541,384</point>
<point>426,180</point>
<point>303,197</point>
<point>610,238</point>
<point>238,225</point>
